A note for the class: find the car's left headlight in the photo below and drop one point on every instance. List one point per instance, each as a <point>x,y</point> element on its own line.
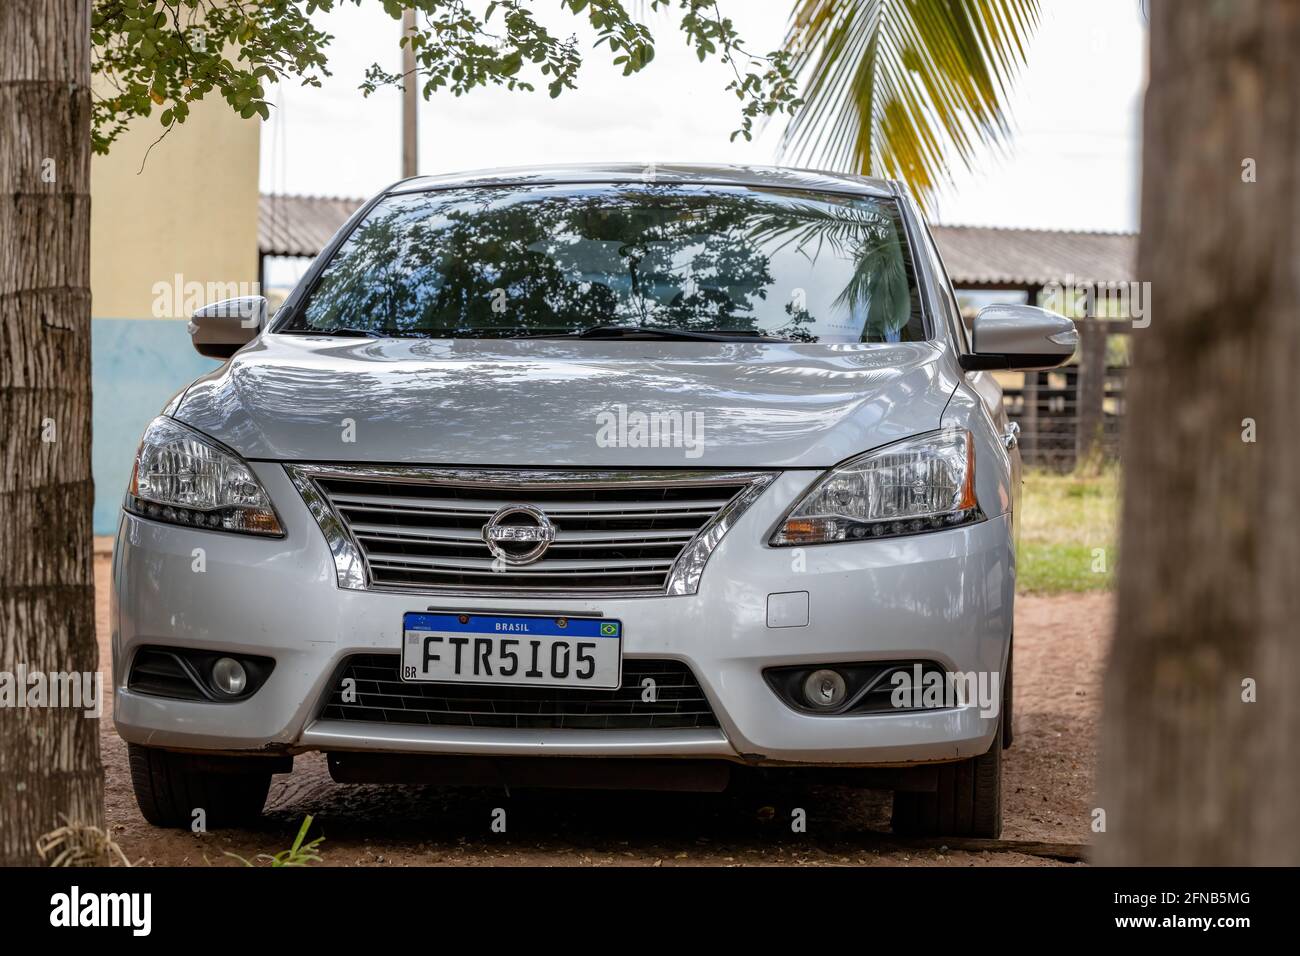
<point>182,477</point>
<point>921,484</point>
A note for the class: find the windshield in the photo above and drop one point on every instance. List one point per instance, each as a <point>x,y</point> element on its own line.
<point>561,260</point>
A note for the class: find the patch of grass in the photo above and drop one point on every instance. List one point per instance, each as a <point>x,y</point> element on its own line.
<point>1063,520</point>
<point>300,854</point>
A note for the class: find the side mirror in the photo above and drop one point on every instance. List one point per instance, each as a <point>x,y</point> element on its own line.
<point>221,329</point>
<point>1020,337</point>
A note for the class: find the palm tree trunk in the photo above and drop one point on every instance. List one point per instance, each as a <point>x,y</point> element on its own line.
<point>1209,584</point>
<point>49,757</point>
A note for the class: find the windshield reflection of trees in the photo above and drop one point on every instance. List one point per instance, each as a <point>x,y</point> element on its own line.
<point>468,263</point>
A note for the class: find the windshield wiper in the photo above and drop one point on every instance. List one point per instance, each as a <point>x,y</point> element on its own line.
<point>355,333</point>
<point>506,332</point>
<point>643,332</point>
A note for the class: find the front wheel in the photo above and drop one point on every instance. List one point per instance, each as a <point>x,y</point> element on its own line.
<point>171,787</point>
<point>966,803</point>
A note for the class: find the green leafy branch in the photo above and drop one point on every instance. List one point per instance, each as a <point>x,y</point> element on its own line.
<point>166,55</point>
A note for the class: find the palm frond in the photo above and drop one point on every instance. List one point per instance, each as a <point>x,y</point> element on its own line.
<point>893,87</point>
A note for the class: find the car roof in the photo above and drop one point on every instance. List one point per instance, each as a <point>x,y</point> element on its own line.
<point>673,173</point>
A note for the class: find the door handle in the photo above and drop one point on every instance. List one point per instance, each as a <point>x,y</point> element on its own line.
<point>1011,435</point>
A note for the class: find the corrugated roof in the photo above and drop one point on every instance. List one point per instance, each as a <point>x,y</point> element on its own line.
<point>989,256</point>
<point>975,255</point>
<point>300,225</point>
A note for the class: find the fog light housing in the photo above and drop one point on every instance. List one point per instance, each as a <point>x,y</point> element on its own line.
<point>825,689</point>
<point>869,686</point>
<point>229,676</point>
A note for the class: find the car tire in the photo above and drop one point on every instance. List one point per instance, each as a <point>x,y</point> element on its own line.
<point>966,803</point>
<point>169,787</point>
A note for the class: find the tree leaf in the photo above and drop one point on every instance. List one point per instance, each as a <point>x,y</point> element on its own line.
<point>894,87</point>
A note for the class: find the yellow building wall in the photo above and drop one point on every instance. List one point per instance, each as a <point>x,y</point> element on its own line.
<point>192,211</point>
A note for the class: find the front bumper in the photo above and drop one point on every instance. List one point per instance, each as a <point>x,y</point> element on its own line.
<point>945,596</point>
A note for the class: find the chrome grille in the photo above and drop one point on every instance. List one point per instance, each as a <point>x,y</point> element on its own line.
<point>614,532</point>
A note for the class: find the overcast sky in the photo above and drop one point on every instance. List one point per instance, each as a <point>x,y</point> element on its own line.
<point>1072,164</point>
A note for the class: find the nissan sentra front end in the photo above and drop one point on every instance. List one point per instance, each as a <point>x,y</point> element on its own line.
<point>765,518</point>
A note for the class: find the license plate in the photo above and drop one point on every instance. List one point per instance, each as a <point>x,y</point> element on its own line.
<point>512,649</point>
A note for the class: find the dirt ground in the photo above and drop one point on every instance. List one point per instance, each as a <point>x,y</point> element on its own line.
<point>1047,793</point>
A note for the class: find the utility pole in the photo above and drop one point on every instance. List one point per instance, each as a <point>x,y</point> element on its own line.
<point>410,99</point>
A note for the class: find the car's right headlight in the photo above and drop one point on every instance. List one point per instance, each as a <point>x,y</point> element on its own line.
<point>921,484</point>
<point>182,477</point>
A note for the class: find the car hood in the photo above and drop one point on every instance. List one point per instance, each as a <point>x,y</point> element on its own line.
<point>564,403</point>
